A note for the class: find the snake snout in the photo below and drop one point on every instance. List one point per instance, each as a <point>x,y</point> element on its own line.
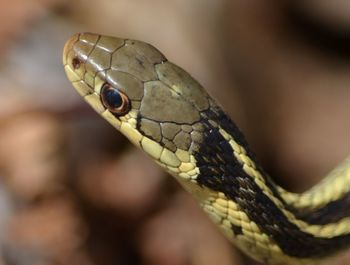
<point>69,46</point>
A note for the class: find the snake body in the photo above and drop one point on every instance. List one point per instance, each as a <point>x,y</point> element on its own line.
<point>162,110</point>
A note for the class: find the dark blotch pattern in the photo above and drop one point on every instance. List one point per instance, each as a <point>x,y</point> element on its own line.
<point>330,213</point>
<point>237,230</point>
<point>220,171</point>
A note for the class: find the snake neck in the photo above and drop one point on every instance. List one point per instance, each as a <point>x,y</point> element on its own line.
<point>165,112</point>
<point>227,166</point>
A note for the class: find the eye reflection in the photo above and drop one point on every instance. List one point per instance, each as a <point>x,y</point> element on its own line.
<point>114,100</point>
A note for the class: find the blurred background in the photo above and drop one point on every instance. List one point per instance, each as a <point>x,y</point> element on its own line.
<point>74,191</point>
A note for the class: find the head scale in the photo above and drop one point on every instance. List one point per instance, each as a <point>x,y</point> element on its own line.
<point>153,102</point>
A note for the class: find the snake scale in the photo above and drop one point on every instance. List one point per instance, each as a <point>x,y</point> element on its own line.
<point>162,110</point>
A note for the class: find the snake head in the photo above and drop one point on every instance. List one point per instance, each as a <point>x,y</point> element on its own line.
<point>154,103</point>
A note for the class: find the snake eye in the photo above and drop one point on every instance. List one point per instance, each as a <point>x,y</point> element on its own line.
<point>76,63</point>
<point>114,100</point>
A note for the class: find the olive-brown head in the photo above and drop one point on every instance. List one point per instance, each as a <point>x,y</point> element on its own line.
<point>153,102</point>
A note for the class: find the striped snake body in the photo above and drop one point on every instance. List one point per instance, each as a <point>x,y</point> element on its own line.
<point>161,109</point>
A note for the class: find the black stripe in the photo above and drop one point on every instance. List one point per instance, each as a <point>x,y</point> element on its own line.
<point>229,177</point>
<point>230,127</point>
<point>329,213</point>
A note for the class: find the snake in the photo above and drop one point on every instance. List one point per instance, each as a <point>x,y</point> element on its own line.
<point>165,112</point>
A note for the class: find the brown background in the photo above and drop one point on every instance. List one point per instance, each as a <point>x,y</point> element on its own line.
<point>73,191</point>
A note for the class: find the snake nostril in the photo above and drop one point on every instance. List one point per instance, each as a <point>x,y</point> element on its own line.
<point>76,63</point>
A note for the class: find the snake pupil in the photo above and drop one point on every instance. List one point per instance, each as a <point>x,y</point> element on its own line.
<point>114,100</point>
